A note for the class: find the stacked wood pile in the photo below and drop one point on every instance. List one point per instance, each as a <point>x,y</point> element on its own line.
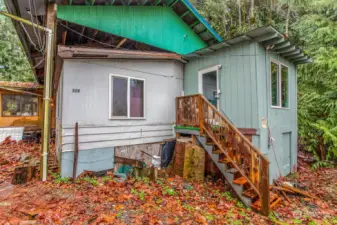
<point>188,161</point>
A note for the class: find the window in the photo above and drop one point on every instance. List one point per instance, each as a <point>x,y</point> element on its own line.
<point>126,97</point>
<point>19,105</point>
<point>279,85</point>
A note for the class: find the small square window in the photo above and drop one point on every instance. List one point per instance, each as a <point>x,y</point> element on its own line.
<point>127,97</point>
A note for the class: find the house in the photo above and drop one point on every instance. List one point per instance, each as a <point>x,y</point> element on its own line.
<point>129,71</point>
<point>20,107</point>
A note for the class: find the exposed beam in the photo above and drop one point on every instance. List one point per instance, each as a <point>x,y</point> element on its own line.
<point>157,2</point>
<point>301,58</point>
<point>296,56</point>
<point>121,43</point>
<point>126,2</point>
<point>174,3</point>
<point>64,37</point>
<point>282,45</point>
<point>266,37</point>
<point>109,2</point>
<point>80,36</point>
<point>94,33</point>
<point>203,31</point>
<point>286,50</point>
<point>291,53</point>
<point>185,14</point>
<point>274,41</point>
<point>194,24</point>
<point>142,2</point>
<point>89,2</point>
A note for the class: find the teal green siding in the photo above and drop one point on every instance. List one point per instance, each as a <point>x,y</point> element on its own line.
<point>246,99</point>
<point>238,97</point>
<point>281,122</point>
<point>158,26</point>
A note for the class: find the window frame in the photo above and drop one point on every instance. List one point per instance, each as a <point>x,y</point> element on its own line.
<point>111,117</point>
<point>279,76</point>
<point>2,102</point>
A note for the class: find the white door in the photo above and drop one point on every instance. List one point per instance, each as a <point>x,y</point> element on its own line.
<point>209,85</point>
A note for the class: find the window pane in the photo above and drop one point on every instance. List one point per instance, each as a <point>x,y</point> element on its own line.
<point>136,98</point>
<point>274,84</point>
<point>119,96</point>
<point>284,85</point>
<point>19,105</point>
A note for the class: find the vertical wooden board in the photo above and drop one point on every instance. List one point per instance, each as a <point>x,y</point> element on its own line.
<point>178,159</point>
<point>253,80</point>
<point>241,88</point>
<point>247,73</point>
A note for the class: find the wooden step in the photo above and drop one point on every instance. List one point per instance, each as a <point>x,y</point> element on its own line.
<point>250,193</point>
<point>240,181</point>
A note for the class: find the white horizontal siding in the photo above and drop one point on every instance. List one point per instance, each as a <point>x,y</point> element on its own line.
<point>90,107</point>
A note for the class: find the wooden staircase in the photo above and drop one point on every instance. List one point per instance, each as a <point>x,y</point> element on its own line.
<point>242,164</point>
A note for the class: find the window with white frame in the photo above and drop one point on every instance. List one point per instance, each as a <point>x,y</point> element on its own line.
<point>126,97</point>
<point>279,85</point>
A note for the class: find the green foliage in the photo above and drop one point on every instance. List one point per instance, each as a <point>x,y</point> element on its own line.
<point>169,191</point>
<point>140,194</point>
<point>60,180</point>
<point>317,114</point>
<point>92,180</point>
<point>12,55</point>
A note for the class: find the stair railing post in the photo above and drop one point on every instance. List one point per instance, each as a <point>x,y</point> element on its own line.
<point>264,187</point>
<point>201,115</point>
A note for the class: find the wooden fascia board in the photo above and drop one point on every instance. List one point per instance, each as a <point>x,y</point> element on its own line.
<point>66,52</point>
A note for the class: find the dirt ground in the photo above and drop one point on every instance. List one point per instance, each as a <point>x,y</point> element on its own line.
<point>107,200</point>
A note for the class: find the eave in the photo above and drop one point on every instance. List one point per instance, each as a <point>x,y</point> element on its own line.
<point>269,37</point>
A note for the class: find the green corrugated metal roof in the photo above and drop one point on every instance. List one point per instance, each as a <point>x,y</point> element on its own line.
<point>158,26</point>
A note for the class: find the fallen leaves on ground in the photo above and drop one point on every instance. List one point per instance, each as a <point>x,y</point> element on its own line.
<point>107,200</point>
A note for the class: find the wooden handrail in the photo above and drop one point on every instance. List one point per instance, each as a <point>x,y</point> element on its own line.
<point>237,131</point>
<point>195,110</point>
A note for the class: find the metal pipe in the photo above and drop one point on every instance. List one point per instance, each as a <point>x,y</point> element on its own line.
<point>47,90</point>
<point>19,19</point>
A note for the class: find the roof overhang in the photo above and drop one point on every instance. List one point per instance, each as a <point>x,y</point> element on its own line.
<point>75,52</point>
<point>269,37</point>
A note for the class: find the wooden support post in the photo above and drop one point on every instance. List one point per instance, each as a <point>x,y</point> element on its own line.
<point>264,188</point>
<point>201,115</point>
<point>75,152</point>
<point>177,112</point>
<point>64,37</point>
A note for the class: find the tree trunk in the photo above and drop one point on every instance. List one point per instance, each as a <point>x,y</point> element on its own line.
<point>287,21</point>
<point>239,12</point>
<point>251,14</point>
